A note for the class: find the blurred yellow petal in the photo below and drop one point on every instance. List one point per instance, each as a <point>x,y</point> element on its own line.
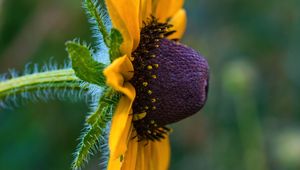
<point>145,9</point>
<point>160,151</point>
<point>131,154</point>
<point>119,133</point>
<point>140,163</point>
<point>179,24</point>
<point>125,16</point>
<point>118,73</point>
<point>147,154</point>
<point>164,9</point>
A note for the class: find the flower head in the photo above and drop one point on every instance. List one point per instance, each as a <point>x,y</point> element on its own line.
<point>162,81</point>
<point>152,81</point>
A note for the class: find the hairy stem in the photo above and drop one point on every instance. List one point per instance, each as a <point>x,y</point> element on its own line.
<point>57,79</point>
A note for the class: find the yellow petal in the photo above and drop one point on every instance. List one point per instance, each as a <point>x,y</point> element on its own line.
<point>131,155</point>
<point>125,16</point>
<point>179,24</point>
<point>117,73</point>
<point>164,9</point>
<point>160,151</point>
<point>140,163</point>
<point>148,154</point>
<point>145,9</point>
<point>119,133</point>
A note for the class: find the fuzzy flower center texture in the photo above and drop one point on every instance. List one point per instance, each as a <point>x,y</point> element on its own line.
<point>171,81</point>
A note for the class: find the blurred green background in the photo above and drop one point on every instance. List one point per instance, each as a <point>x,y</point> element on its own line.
<point>252,117</point>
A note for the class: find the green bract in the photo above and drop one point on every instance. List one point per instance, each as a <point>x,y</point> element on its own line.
<point>84,65</point>
<point>115,43</point>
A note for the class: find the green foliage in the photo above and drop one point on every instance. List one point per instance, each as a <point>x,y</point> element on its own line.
<point>93,10</point>
<point>98,16</point>
<point>115,43</point>
<point>109,98</point>
<point>96,123</point>
<point>91,137</point>
<point>85,67</point>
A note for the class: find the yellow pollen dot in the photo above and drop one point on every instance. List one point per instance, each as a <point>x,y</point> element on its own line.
<point>153,56</point>
<point>149,67</point>
<point>152,121</point>
<point>145,84</point>
<point>155,125</point>
<point>153,100</point>
<point>146,107</point>
<point>153,108</point>
<point>155,65</point>
<point>154,76</point>
<point>149,131</point>
<point>139,116</point>
<point>154,133</point>
<point>149,92</point>
<point>161,36</point>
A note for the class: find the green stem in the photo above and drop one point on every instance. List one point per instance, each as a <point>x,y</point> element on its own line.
<point>57,79</point>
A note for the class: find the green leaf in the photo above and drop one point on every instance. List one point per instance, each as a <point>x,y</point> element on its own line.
<point>94,11</point>
<point>110,97</point>
<point>96,124</point>
<point>85,67</point>
<point>115,43</point>
<point>112,39</point>
<point>91,137</point>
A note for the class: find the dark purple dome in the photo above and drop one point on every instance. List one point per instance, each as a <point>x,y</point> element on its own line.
<point>181,83</point>
<point>171,82</point>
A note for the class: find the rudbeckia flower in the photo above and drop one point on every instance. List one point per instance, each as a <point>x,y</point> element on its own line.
<point>162,81</point>
<point>153,80</point>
